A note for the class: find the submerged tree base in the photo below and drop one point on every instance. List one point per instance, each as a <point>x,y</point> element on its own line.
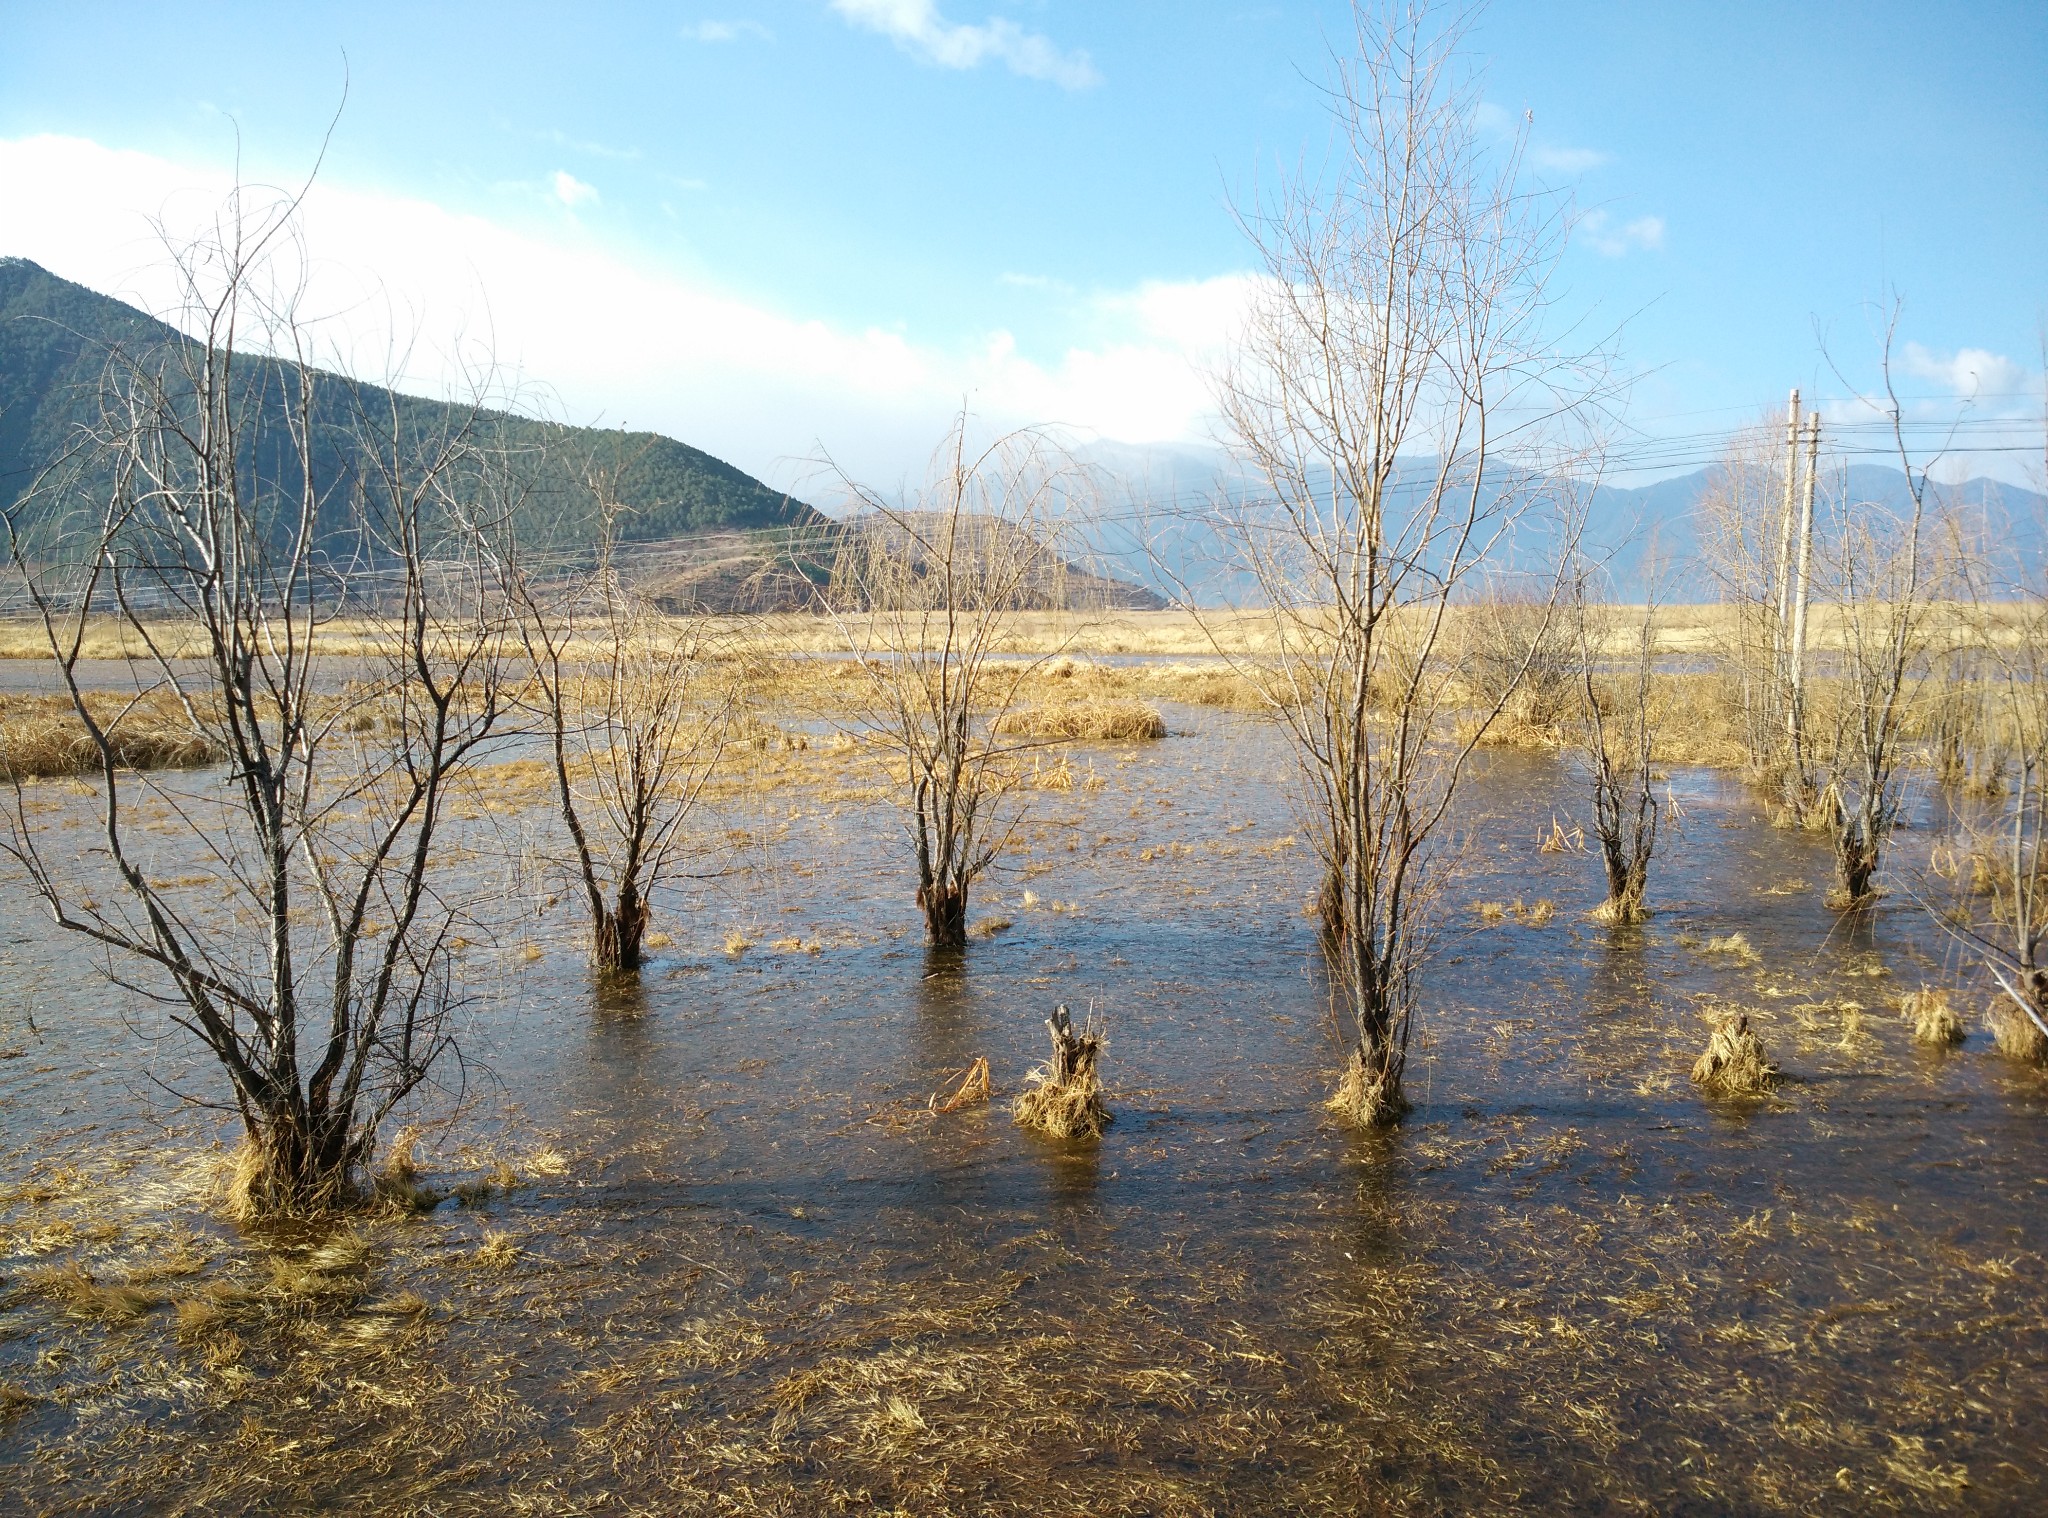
<point>1619,910</point>
<point>256,1189</point>
<point>1063,1097</point>
<point>1735,1063</point>
<point>1366,1098</point>
<point>2016,1034</point>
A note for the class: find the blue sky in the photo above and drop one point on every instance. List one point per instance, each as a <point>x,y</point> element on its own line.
<point>798,226</point>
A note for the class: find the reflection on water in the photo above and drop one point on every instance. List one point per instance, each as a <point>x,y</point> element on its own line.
<point>745,1266</point>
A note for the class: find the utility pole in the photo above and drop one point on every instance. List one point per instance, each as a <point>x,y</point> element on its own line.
<point>1785,534</point>
<point>1795,718</point>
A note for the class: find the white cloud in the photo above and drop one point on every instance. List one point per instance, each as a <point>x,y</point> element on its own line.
<point>1972,373</point>
<point>418,290</point>
<point>1616,240</point>
<point>917,26</point>
<point>571,191</point>
<point>726,31</point>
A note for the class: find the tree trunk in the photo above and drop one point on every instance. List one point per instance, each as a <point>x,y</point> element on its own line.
<point>619,931</point>
<point>945,914</point>
<point>1330,910</point>
<point>292,1163</point>
<point>1855,866</point>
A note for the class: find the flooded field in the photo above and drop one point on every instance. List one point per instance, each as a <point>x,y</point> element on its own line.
<point>708,1247</point>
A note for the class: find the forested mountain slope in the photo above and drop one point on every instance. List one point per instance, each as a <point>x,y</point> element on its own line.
<point>56,338</point>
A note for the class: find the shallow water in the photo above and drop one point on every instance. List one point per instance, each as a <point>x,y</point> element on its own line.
<point>755,1272</point>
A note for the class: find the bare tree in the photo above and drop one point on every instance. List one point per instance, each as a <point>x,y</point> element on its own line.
<point>1746,517</point>
<point>1616,737</point>
<point>636,720</point>
<point>242,505</point>
<point>1389,390</point>
<point>929,594</point>
<point>2009,935</point>
<point>1885,578</point>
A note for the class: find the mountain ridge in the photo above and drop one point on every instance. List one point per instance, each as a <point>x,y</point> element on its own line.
<point>55,337</point>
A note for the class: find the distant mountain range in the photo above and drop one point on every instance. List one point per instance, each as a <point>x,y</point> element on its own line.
<point>56,336</point>
<point>1149,521</point>
<point>711,534</point>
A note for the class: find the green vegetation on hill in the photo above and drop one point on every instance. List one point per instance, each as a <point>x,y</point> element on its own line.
<point>55,338</point>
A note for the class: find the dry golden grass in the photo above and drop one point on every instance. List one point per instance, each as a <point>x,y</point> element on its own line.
<point>1735,946</point>
<point>2015,1032</point>
<point>1934,1021</point>
<point>1062,1098</point>
<point>1734,1064</point>
<point>1362,1099</point>
<point>1094,719</point>
<point>41,735</point>
<point>82,1295</point>
<point>396,1184</point>
<point>974,1086</point>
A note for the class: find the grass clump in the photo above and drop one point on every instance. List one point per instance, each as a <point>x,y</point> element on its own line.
<point>1364,1098</point>
<point>1063,1097</point>
<point>1935,1022</point>
<point>2015,1033</point>
<point>974,1086</point>
<point>495,1251</point>
<point>42,736</point>
<point>1099,719</point>
<point>1735,1064</point>
<point>1735,946</point>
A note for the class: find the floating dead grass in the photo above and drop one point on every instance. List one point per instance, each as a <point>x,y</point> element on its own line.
<point>974,1086</point>
<point>1935,1022</point>
<point>1063,1097</point>
<point>1734,1064</point>
<point>78,1293</point>
<point>1735,946</point>
<point>396,1185</point>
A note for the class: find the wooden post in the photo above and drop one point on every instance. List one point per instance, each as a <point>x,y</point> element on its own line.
<point>1796,717</point>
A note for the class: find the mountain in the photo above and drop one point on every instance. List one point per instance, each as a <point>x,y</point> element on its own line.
<point>1153,519</point>
<point>55,337</point>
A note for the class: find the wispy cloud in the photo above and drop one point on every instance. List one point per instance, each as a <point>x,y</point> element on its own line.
<point>1552,157</point>
<point>571,191</point>
<point>558,138</point>
<point>917,27</point>
<point>1567,160</point>
<point>1612,239</point>
<point>726,31</point>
